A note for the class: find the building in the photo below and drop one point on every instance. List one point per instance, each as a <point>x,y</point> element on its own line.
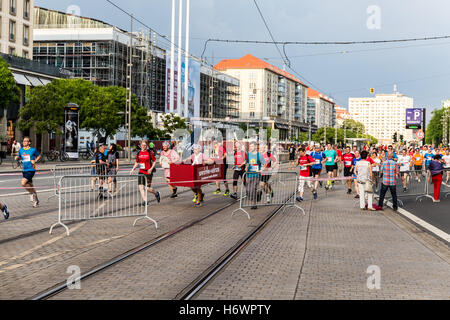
<point>341,115</point>
<point>320,109</point>
<point>28,74</point>
<point>16,27</point>
<point>270,97</point>
<point>383,115</point>
<point>99,52</point>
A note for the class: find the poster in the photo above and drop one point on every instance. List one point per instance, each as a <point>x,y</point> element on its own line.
<point>71,121</point>
<point>193,94</point>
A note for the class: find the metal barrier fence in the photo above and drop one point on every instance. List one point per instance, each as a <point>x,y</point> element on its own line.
<point>61,170</point>
<point>276,189</point>
<point>116,197</point>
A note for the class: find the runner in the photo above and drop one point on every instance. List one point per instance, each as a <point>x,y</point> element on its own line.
<point>5,210</point>
<point>418,163</point>
<point>240,160</point>
<point>198,158</point>
<point>331,156</point>
<point>222,159</point>
<point>338,162</point>
<point>146,161</point>
<point>291,157</point>
<point>168,156</point>
<point>93,171</point>
<point>113,168</point>
<point>348,164</point>
<point>100,169</point>
<point>428,157</point>
<point>305,162</point>
<point>29,158</point>
<point>255,162</point>
<point>404,162</point>
<point>354,162</point>
<point>319,160</point>
<point>266,172</point>
<point>446,159</point>
<point>376,169</point>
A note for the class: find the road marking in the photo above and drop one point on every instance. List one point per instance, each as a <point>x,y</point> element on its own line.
<point>438,232</point>
<point>30,251</point>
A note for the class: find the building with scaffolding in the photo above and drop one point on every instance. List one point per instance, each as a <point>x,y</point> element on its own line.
<point>99,52</point>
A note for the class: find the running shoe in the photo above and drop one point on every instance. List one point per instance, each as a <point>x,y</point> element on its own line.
<point>357,196</point>
<point>217,191</point>
<point>198,204</point>
<point>404,189</point>
<point>268,198</point>
<point>5,211</point>
<point>36,203</point>
<point>299,199</point>
<point>142,204</point>
<point>349,191</point>
<point>227,193</point>
<point>195,199</point>
<point>158,196</point>
<point>175,190</point>
<point>31,197</point>
<point>315,195</point>
<point>173,195</point>
<point>234,196</point>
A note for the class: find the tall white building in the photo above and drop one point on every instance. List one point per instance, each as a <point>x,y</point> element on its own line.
<point>16,27</point>
<point>383,115</point>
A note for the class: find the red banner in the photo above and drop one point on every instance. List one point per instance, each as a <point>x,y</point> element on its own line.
<point>194,176</point>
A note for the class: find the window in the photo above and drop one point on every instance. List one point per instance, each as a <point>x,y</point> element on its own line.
<point>12,51</point>
<point>26,35</point>
<point>252,96</point>
<point>12,30</point>
<point>12,7</point>
<point>26,9</point>
<point>252,114</point>
<point>251,105</point>
<point>25,54</point>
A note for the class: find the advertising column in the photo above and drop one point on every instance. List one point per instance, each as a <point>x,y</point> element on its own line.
<point>71,121</point>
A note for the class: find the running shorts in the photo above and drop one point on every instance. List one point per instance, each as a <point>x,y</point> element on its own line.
<point>28,175</point>
<point>316,172</point>
<point>330,168</point>
<point>347,171</point>
<point>417,168</point>
<point>265,178</point>
<point>236,175</point>
<point>292,157</point>
<point>141,179</point>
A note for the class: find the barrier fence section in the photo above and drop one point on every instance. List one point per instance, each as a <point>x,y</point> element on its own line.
<point>418,185</point>
<point>116,197</point>
<point>274,189</point>
<point>61,170</point>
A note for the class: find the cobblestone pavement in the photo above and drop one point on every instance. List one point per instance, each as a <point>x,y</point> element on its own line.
<point>342,242</point>
<point>38,261</point>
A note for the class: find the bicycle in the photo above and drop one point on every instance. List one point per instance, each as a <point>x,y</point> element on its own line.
<point>16,163</point>
<point>86,154</point>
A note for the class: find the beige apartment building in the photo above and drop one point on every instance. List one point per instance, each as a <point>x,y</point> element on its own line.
<point>383,115</point>
<point>16,23</point>
<point>270,97</point>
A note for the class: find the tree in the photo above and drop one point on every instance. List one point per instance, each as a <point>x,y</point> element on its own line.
<point>171,122</point>
<point>9,91</point>
<point>434,129</point>
<point>354,126</point>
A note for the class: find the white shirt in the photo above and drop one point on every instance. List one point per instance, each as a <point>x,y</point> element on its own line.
<point>16,147</point>
<point>447,160</point>
<point>404,162</point>
<point>376,168</point>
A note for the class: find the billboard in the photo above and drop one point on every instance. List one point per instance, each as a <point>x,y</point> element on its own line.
<point>193,93</point>
<point>414,118</point>
<point>71,128</point>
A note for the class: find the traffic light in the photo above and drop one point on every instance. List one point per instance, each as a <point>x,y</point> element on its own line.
<point>395,137</point>
<point>372,90</point>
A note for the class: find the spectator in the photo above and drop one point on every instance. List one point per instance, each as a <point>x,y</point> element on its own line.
<point>390,171</point>
<point>15,148</point>
<point>436,168</point>
<point>364,177</point>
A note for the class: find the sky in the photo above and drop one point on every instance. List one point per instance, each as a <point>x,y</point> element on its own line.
<point>421,69</point>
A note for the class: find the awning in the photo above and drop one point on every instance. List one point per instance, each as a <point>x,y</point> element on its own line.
<point>45,81</point>
<point>20,79</point>
<point>281,126</point>
<point>34,81</point>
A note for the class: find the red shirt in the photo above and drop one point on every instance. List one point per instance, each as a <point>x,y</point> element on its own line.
<point>145,159</point>
<point>370,160</point>
<point>339,154</point>
<point>239,158</point>
<point>304,170</point>
<point>348,159</point>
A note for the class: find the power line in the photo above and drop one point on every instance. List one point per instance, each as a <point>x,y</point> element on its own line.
<point>286,61</point>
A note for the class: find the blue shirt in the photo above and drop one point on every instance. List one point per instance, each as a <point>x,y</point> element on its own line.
<point>354,161</point>
<point>394,156</point>
<point>255,162</point>
<point>331,156</point>
<point>318,157</point>
<point>27,155</point>
<point>428,157</point>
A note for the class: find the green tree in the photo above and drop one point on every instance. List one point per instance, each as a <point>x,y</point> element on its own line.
<point>9,91</point>
<point>434,128</point>
<point>354,126</point>
<point>171,122</point>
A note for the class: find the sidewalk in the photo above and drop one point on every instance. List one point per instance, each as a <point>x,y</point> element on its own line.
<point>326,254</point>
